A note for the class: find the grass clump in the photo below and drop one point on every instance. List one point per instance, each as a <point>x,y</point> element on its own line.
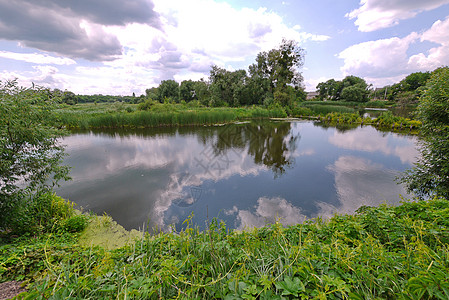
<point>380,252</point>
<point>325,109</point>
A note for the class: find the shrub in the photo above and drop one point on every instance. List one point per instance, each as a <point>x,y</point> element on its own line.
<point>75,223</point>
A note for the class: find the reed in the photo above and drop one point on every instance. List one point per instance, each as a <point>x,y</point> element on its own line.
<point>163,115</point>
<point>326,109</point>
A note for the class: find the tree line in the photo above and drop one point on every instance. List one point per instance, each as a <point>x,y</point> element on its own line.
<point>355,89</point>
<point>273,78</point>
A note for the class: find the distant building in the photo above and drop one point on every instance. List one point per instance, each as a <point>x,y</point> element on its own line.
<point>312,95</point>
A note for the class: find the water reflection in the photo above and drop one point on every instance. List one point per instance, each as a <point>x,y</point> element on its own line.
<point>245,174</point>
<point>366,139</point>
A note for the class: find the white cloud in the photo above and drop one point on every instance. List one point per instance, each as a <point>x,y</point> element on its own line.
<point>268,211</point>
<point>437,56</point>
<point>361,182</point>
<point>367,139</point>
<point>374,59</point>
<point>180,40</point>
<point>37,58</point>
<point>199,33</point>
<point>377,14</point>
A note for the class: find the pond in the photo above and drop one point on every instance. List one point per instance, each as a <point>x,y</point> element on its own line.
<point>246,174</point>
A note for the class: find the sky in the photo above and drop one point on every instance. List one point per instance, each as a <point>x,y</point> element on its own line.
<point>120,47</point>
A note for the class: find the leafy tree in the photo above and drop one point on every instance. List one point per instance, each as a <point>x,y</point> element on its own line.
<point>168,89</point>
<point>280,67</point>
<point>329,89</point>
<point>351,88</point>
<point>69,98</point>
<point>430,174</point>
<point>152,93</point>
<point>227,87</point>
<point>353,93</point>
<point>187,91</point>
<point>202,92</point>
<point>409,89</point>
<point>30,152</point>
<point>415,80</point>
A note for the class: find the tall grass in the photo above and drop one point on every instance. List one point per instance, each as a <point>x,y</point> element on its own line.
<point>163,115</point>
<point>379,253</point>
<point>326,109</point>
<point>374,104</point>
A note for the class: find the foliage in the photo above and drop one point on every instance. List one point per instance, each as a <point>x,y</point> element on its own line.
<point>187,91</point>
<point>351,88</point>
<point>153,114</point>
<point>146,105</point>
<point>30,153</point>
<point>76,223</point>
<point>168,89</point>
<point>325,109</point>
<point>430,174</point>
<point>379,253</point>
<point>344,118</point>
<point>279,67</point>
<point>388,119</point>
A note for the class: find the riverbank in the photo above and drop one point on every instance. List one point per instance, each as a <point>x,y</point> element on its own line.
<point>380,252</point>
<point>120,115</point>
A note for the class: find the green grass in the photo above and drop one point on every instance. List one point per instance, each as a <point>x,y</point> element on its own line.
<point>379,253</point>
<point>326,109</point>
<point>373,104</point>
<point>128,116</point>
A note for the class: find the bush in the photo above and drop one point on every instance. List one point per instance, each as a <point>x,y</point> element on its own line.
<point>430,174</point>
<point>30,152</point>
<point>39,213</point>
<point>146,105</point>
<point>75,223</point>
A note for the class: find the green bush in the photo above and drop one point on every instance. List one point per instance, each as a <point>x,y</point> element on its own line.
<point>40,213</point>
<point>76,223</point>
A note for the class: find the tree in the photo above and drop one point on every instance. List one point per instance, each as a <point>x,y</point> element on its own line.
<point>152,93</point>
<point>202,92</point>
<point>227,88</point>
<point>168,89</point>
<point>30,152</point>
<point>187,91</point>
<point>430,174</point>
<point>351,88</point>
<point>69,98</point>
<point>328,89</point>
<point>280,67</point>
<point>415,80</point>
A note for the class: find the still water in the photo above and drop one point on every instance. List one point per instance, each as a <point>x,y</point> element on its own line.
<point>246,174</point>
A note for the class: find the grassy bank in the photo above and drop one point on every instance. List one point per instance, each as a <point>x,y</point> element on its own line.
<point>130,116</point>
<point>381,252</point>
<point>121,115</point>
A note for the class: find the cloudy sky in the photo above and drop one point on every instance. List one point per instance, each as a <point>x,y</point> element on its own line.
<point>123,46</point>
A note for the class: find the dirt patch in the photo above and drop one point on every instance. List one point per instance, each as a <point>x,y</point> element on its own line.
<point>10,289</point>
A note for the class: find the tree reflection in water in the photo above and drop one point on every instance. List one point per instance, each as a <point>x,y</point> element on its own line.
<point>272,144</point>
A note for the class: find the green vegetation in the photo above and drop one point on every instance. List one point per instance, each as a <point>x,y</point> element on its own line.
<point>380,252</point>
<point>320,109</point>
<point>431,173</point>
<point>30,156</point>
<point>151,114</point>
<point>350,89</point>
